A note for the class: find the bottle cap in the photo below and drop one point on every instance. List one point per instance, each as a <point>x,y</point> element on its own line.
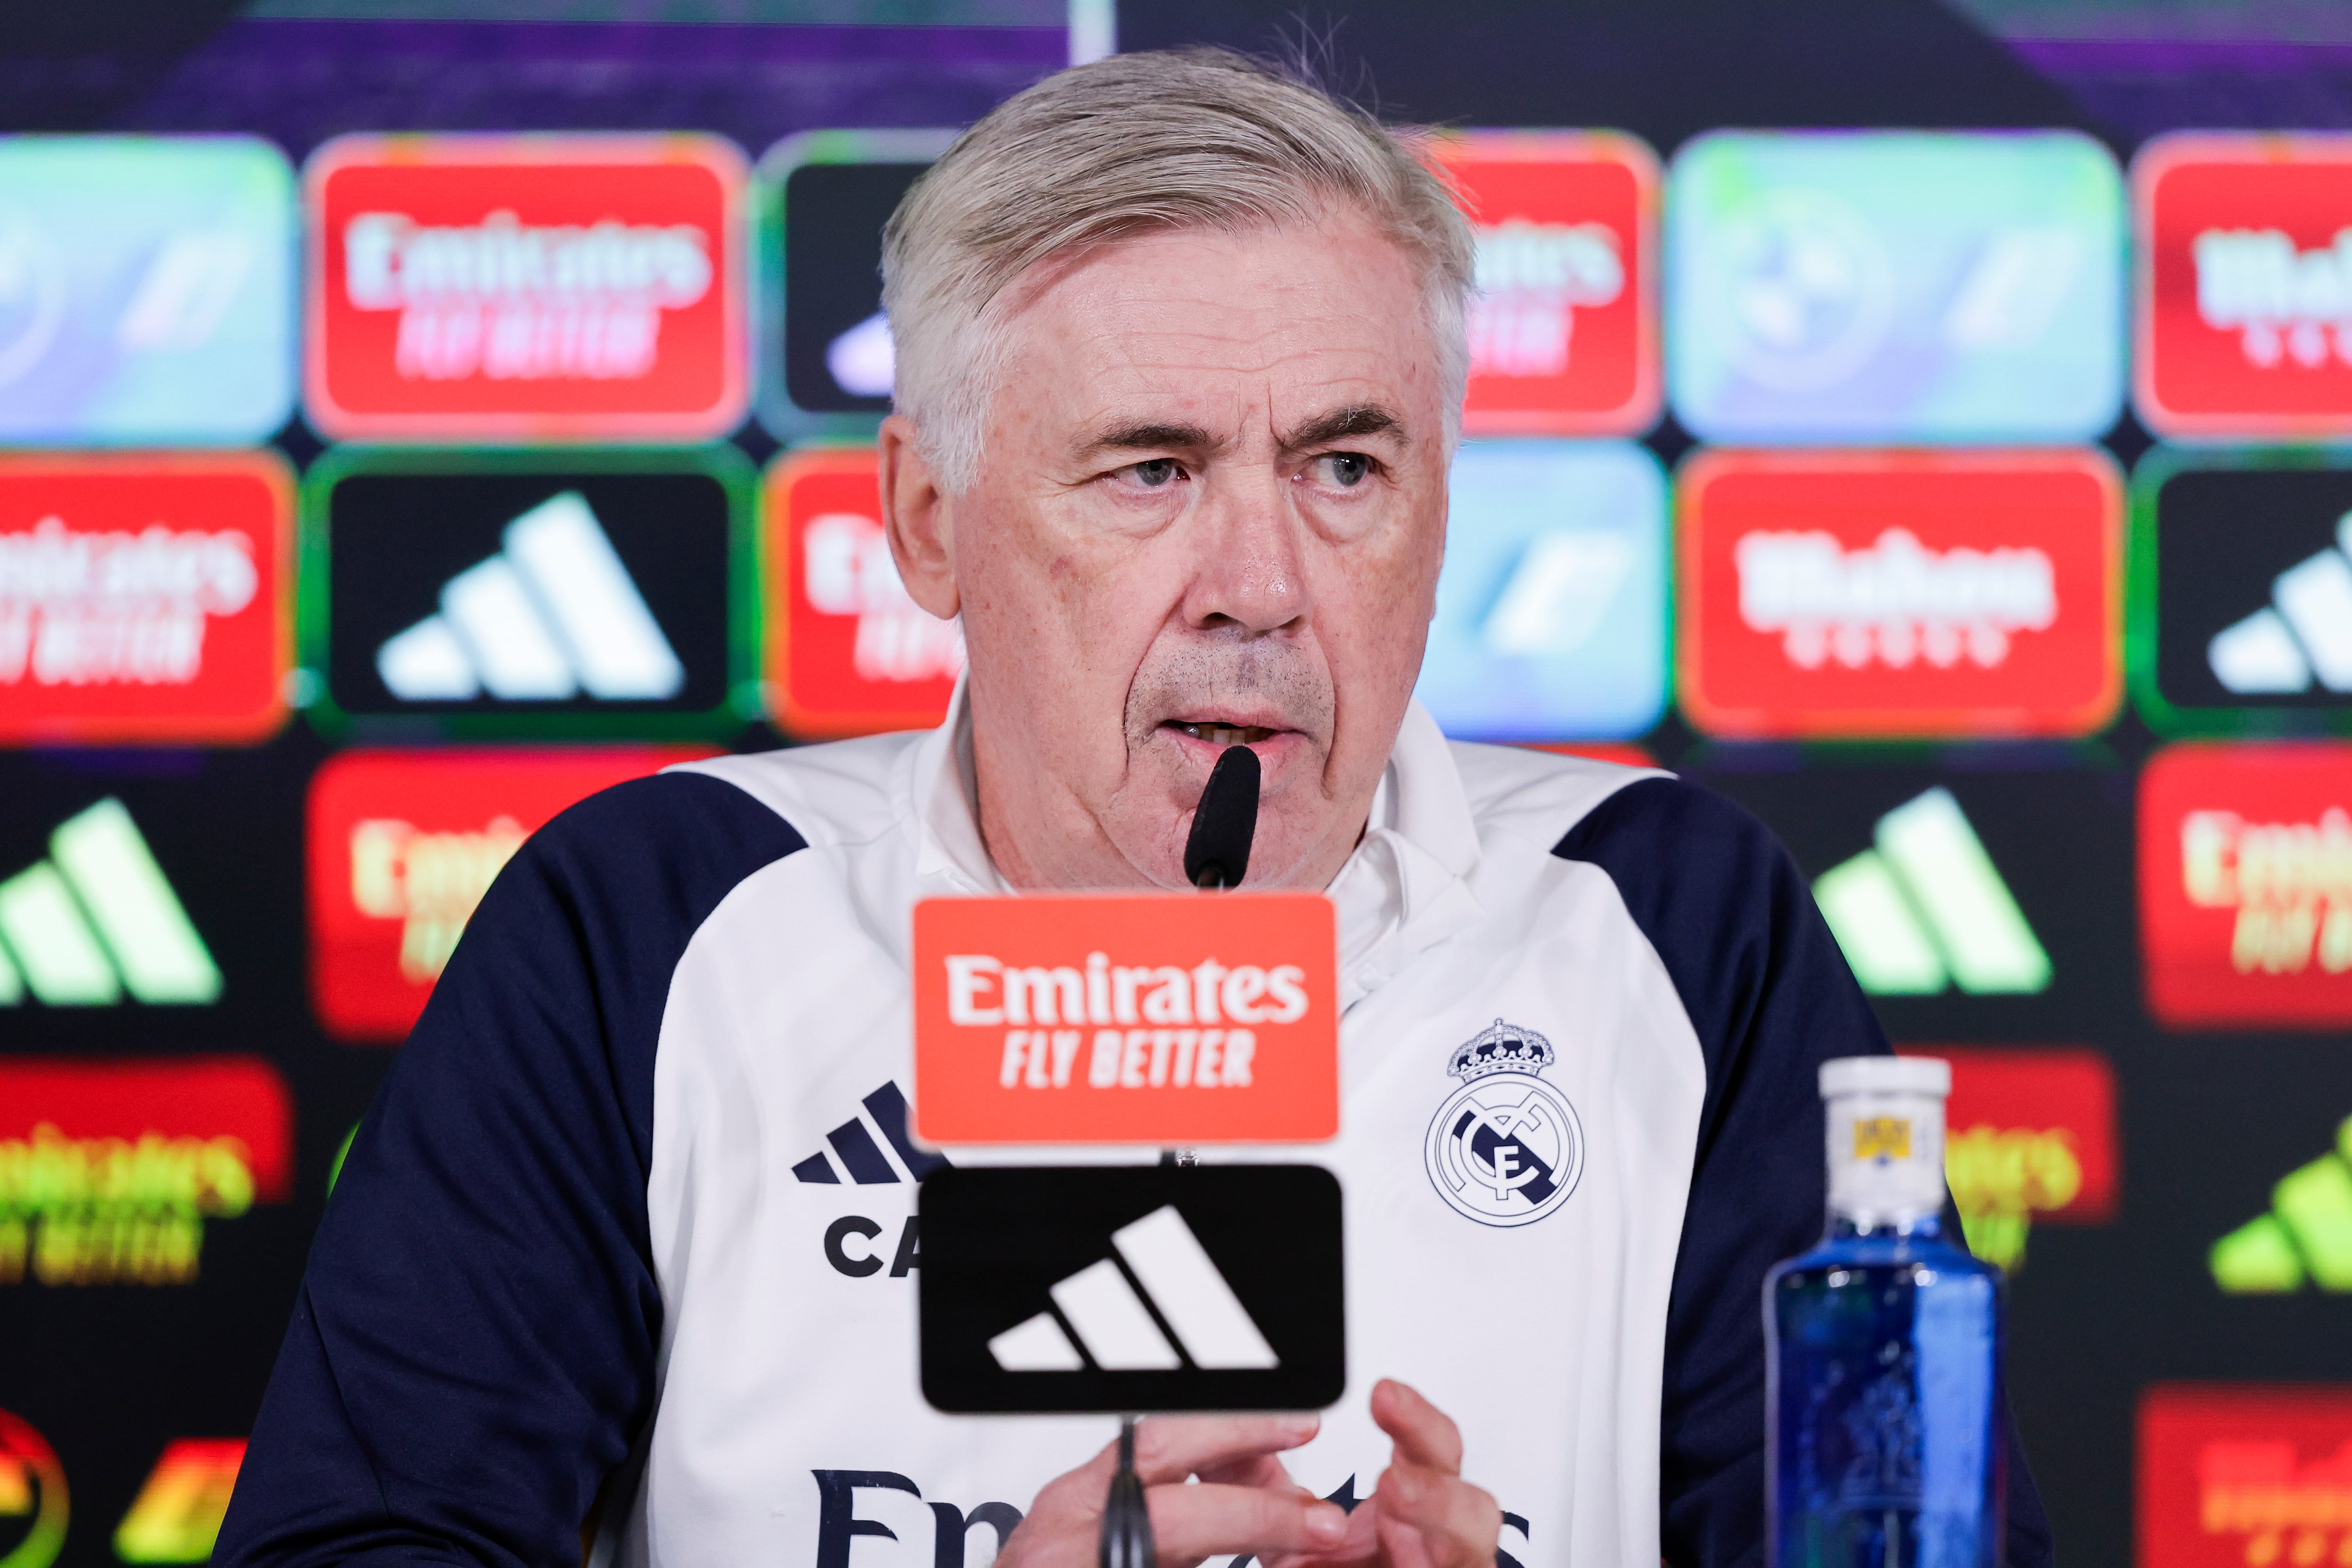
<point>1886,1074</point>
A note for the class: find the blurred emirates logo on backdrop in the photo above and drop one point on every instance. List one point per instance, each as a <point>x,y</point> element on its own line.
<point>848,651</point>
<point>108,1170</point>
<point>2233,1475</point>
<point>2245,307</point>
<point>1849,593</point>
<point>403,845</point>
<point>1564,326</point>
<point>144,598</point>
<point>2030,1135</point>
<point>532,286</point>
<point>2245,884</point>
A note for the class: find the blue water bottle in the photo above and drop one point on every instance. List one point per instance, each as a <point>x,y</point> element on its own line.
<point>1883,1346</point>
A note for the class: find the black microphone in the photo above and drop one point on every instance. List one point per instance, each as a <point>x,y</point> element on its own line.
<point>1216,855</point>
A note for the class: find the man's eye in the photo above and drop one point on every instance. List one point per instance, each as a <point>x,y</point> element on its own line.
<point>1155,473</point>
<point>1345,470</point>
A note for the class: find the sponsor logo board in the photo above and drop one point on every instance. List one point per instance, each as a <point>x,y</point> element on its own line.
<point>1125,1288</point>
<point>2241,591</point>
<point>2030,1136</point>
<point>550,594</point>
<point>2245,885</point>
<point>847,651</point>
<point>538,288</point>
<point>2242,309</point>
<point>821,200</point>
<point>34,1505</point>
<point>2304,1238</point>
<point>2233,1475</point>
<point>176,1517</point>
<point>1147,1018</point>
<point>404,844</point>
<point>146,290</point>
<point>1564,325</point>
<point>1900,594</point>
<point>144,598</point>
<point>1924,909</point>
<point>1895,287</point>
<point>108,1170</point>
<point>1551,609</point>
<point>98,921</point>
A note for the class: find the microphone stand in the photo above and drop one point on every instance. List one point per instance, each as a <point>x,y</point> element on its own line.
<point>1216,856</point>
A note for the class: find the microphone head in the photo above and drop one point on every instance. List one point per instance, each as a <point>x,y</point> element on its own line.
<point>1216,854</point>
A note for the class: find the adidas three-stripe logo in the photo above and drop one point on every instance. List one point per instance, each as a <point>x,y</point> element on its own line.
<point>1924,909</point>
<point>96,919</point>
<point>854,1147</point>
<point>552,615</point>
<point>1157,1291</point>
<point>2306,631</point>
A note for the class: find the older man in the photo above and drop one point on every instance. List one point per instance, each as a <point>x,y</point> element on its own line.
<point>1181,359</point>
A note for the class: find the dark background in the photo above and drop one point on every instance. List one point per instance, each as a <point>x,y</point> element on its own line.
<point>2209,1121</point>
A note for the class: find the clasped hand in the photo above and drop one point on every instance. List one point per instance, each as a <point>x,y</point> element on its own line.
<point>1422,1514</point>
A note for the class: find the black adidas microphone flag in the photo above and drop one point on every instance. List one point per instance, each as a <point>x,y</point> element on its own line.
<point>1126,1288</point>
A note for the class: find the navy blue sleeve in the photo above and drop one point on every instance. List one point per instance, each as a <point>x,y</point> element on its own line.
<point>1771,998</point>
<point>472,1351</point>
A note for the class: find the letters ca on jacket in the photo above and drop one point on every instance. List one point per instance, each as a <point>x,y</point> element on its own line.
<point>110,1173</point>
<point>144,597</point>
<point>848,652</point>
<point>1849,593</point>
<point>403,845</point>
<point>2241,596</point>
<point>539,287</point>
<point>532,593</point>
<point>2243,297</point>
<point>2245,885</point>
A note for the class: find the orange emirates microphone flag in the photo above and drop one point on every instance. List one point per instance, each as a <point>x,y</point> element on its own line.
<point>1171,1018</point>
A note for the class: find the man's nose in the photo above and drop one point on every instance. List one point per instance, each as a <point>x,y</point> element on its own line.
<point>1248,566</point>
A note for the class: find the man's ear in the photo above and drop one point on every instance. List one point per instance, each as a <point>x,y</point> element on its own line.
<point>916,516</point>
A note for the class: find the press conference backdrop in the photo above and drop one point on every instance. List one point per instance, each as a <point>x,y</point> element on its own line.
<point>1930,425</point>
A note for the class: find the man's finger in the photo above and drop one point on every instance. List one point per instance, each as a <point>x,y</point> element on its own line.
<point>1453,1523</point>
<point>1424,1434</point>
<point>1170,1447</point>
<point>1190,1522</point>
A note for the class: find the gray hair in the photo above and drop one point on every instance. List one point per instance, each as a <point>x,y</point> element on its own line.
<point>1189,139</point>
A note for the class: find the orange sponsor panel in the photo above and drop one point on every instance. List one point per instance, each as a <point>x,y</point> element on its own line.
<point>144,597</point>
<point>1126,1018</point>
<point>2245,1476</point>
<point>848,652</point>
<point>1829,594</point>
<point>533,287</point>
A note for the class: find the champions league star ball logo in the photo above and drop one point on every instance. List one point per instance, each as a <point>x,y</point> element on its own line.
<point>1505,1148</point>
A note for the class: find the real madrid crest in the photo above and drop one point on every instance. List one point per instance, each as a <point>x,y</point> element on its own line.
<point>1504,1148</point>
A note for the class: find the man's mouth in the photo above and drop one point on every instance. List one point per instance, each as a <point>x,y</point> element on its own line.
<point>1218,734</point>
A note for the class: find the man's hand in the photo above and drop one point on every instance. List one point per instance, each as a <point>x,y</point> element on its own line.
<point>1422,1514</point>
<point>1246,1501</point>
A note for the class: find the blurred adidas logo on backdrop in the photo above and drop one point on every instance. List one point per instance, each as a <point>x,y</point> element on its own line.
<point>1924,909</point>
<point>2303,633</point>
<point>98,918</point>
<point>552,615</point>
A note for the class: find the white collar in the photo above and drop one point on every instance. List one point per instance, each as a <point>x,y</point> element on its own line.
<point>1405,888</point>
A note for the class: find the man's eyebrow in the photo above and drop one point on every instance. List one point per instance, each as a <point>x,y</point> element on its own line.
<point>1361,419</point>
<point>1149,436</point>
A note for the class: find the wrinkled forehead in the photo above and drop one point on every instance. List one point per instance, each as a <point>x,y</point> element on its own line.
<point>1293,314</point>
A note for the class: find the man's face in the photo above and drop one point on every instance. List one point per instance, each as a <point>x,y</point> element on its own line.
<point>1210,510</point>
